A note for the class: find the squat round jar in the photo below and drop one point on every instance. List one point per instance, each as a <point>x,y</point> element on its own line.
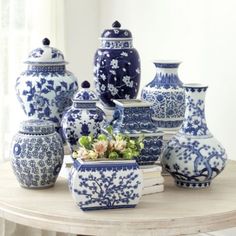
<point>37,154</point>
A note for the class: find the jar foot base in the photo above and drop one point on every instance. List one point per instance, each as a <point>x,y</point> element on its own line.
<point>193,185</point>
<point>39,187</point>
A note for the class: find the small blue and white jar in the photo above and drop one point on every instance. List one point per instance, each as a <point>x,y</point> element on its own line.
<point>83,118</point>
<point>45,88</point>
<point>97,185</point>
<point>116,66</point>
<point>193,156</point>
<point>134,119</point>
<point>37,154</point>
<point>166,92</point>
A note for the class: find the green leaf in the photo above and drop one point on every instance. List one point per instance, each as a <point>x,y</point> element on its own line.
<point>102,137</point>
<point>113,155</point>
<point>109,129</point>
<point>84,141</point>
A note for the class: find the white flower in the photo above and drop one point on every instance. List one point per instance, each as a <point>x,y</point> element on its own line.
<point>103,77</point>
<point>125,54</point>
<point>82,153</point>
<point>120,145</point>
<point>103,87</point>
<point>137,71</point>
<point>92,155</point>
<point>127,96</point>
<point>114,64</point>
<point>112,89</point>
<point>123,69</point>
<point>126,80</point>
<point>112,72</point>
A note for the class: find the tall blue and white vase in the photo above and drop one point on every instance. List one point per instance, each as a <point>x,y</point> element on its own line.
<point>97,185</point>
<point>83,117</point>
<point>134,119</point>
<point>116,66</point>
<point>166,92</point>
<point>45,88</point>
<point>193,156</point>
<point>37,154</point>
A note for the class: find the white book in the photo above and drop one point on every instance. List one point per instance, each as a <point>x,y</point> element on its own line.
<point>153,189</point>
<point>152,168</point>
<point>152,175</point>
<point>152,182</point>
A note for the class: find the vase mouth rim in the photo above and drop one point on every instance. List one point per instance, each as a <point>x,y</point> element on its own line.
<point>195,85</point>
<point>167,64</point>
<point>165,61</point>
<point>132,103</point>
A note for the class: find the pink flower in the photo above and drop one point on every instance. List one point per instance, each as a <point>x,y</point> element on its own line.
<point>100,147</point>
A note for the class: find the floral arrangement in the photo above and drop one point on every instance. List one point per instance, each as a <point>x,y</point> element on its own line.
<point>113,147</point>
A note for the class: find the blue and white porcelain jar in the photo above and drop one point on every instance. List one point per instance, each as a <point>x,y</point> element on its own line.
<point>83,118</point>
<point>166,92</point>
<point>97,185</point>
<point>116,66</point>
<point>45,88</point>
<point>37,154</point>
<point>134,118</point>
<point>193,156</point>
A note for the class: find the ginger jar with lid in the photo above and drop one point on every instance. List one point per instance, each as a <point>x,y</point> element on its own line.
<point>37,154</point>
<point>83,118</point>
<point>116,66</point>
<point>45,88</point>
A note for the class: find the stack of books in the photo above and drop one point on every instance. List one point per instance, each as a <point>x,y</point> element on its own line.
<point>153,182</point>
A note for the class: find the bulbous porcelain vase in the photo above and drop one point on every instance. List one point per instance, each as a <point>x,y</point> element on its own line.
<point>116,66</point>
<point>166,92</point>
<point>193,156</point>
<point>83,118</point>
<point>46,88</point>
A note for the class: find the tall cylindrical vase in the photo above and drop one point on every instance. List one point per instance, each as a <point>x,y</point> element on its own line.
<point>193,156</point>
<point>166,93</point>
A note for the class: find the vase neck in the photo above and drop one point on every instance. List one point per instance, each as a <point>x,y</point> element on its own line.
<point>166,75</point>
<point>194,121</point>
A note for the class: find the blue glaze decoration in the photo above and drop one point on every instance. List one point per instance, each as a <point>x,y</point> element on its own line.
<point>105,185</point>
<point>116,69</point>
<point>37,156</point>
<point>46,88</point>
<point>193,156</point>
<point>166,92</point>
<point>83,118</point>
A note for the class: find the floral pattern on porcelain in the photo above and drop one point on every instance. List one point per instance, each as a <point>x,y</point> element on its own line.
<point>46,88</point>
<point>167,95</point>
<point>134,118</point>
<point>37,158</point>
<point>105,185</point>
<point>83,118</point>
<point>194,157</point>
<point>116,68</point>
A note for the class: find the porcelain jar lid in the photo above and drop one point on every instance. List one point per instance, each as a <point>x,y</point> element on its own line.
<point>46,55</point>
<point>36,126</point>
<point>85,94</point>
<point>116,33</point>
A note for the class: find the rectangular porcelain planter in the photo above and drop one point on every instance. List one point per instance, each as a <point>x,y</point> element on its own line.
<point>99,185</point>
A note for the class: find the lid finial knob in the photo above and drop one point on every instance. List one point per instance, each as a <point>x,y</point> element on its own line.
<point>85,84</point>
<point>46,42</point>
<point>116,24</point>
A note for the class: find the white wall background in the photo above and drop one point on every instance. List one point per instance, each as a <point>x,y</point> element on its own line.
<point>201,33</point>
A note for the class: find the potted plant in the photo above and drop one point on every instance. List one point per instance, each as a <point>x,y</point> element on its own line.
<point>104,174</point>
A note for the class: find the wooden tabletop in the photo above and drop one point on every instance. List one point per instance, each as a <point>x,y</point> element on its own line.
<point>175,211</point>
